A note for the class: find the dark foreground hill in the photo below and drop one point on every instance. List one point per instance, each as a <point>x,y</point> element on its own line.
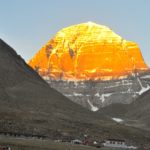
<point>29,106</point>
<point>140,110</point>
<point>27,103</point>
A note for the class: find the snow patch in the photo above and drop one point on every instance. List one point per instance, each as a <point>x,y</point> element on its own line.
<point>93,108</point>
<point>124,83</point>
<point>97,95</point>
<point>76,83</point>
<point>119,120</point>
<point>68,95</point>
<point>132,147</point>
<point>46,78</point>
<point>112,86</point>
<point>107,94</point>
<point>87,95</point>
<point>77,94</point>
<point>143,89</point>
<point>103,96</point>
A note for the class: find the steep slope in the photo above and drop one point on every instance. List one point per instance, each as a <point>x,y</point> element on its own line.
<point>93,66</point>
<point>28,104</point>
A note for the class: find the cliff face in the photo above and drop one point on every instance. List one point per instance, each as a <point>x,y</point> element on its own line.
<point>88,51</point>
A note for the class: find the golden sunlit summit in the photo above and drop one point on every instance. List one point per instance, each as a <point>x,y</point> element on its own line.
<point>88,51</point>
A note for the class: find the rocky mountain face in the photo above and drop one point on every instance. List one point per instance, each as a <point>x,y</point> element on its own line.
<point>97,94</point>
<point>93,66</point>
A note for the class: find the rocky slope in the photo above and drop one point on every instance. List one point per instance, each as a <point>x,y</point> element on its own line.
<point>93,66</point>
<point>29,105</point>
<point>97,94</point>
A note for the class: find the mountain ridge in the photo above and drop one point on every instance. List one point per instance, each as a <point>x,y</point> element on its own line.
<point>25,92</point>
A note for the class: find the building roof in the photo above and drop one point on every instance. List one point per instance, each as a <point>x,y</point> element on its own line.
<point>119,140</point>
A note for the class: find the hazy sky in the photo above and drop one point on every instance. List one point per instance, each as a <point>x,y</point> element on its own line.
<point>28,24</point>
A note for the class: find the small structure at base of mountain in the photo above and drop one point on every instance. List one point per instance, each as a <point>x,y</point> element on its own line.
<point>4,148</point>
<point>76,141</point>
<point>117,143</point>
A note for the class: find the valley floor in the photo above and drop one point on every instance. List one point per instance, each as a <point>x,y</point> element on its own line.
<point>38,144</point>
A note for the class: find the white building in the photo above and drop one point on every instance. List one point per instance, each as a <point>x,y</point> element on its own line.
<point>76,141</point>
<point>115,143</point>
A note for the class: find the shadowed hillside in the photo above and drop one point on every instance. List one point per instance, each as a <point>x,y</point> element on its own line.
<point>135,114</point>
<point>27,102</point>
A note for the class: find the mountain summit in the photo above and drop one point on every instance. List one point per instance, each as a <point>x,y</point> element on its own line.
<point>93,66</point>
<point>88,51</point>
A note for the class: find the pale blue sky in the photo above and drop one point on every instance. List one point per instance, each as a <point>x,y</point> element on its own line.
<point>28,24</point>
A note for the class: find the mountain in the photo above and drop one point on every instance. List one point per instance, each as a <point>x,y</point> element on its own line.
<point>30,107</point>
<point>93,66</point>
<point>88,51</point>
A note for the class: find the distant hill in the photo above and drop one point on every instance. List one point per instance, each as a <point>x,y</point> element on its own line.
<point>135,114</point>
<point>140,110</point>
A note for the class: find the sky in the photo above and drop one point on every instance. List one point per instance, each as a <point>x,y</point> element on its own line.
<point>27,25</point>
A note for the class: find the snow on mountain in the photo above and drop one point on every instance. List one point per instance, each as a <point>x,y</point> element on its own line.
<point>143,89</point>
<point>93,66</point>
<point>93,108</point>
<point>119,120</point>
<point>102,93</point>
